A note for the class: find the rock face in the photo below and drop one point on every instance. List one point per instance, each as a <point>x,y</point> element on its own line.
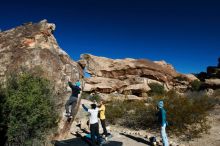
<point>33,46</point>
<point>122,75</point>
<point>211,77</point>
<point>212,83</point>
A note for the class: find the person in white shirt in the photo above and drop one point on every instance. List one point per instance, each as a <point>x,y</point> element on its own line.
<point>94,125</point>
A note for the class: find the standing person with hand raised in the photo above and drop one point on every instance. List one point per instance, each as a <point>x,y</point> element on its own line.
<point>94,125</point>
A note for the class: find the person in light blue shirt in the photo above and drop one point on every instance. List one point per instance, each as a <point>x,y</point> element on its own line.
<point>163,122</point>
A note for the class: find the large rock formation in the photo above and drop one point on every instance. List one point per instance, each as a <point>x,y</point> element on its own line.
<point>122,75</point>
<point>32,47</point>
<point>211,78</point>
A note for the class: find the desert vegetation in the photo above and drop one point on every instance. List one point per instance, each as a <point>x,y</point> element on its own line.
<point>156,89</point>
<point>27,110</point>
<point>186,114</point>
<point>94,97</point>
<point>196,85</point>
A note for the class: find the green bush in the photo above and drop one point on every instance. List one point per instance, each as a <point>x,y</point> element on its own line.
<point>186,115</point>
<point>85,95</point>
<point>216,93</point>
<point>95,97</point>
<point>115,111</point>
<point>3,126</point>
<point>29,111</point>
<point>196,85</point>
<point>140,116</point>
<point>156,89</point>
<point>132,114</point>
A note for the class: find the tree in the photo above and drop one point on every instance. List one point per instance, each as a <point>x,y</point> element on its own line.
<point>29,110</point>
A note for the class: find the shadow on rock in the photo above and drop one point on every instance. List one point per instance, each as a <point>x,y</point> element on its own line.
<point>138,139</point>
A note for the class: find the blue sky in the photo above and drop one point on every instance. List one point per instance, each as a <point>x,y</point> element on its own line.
<point>181,32</point>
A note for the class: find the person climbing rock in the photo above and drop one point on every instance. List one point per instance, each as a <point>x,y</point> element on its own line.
<point>94,125</point>
<point>162,121</point>
<point>102,118</point>
<point>73,98</point>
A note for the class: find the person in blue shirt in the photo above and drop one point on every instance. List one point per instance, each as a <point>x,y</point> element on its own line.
<point>73,98</point>
<point>163,122</point>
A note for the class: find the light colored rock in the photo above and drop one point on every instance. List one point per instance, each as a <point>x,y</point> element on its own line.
<point>142,87</point>
<point>35,46</point>
<point>127,75</point>
<point>104,85</point>
<point>213,82</point>
<point>164,64</point>
<point>191,77</point>
<point>209,92</point>
<point>105,67</point>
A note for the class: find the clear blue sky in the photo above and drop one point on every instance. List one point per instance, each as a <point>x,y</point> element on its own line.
<point>185,33</point>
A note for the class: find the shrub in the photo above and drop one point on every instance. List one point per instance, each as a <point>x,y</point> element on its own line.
<point>94,97</point>
<point>156,89</point>
<point>186,116</point>
<point>3,126</point>
<point>132,114</point>
<point>195,85</point>
<point>29,109</point>
<point>85,95</point>
<point>139,116</point>
<point>115,111</point>
<point>216,93</point>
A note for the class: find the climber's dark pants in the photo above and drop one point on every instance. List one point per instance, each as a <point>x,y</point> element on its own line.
<point>104,127</point>
<point>72,101</point>
<point>94,129</point>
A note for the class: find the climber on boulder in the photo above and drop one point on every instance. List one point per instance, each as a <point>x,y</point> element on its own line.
<point>73,98</point>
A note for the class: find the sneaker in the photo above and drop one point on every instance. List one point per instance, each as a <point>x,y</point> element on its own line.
<point>102,142</point>
<point>67,114</point>
<point>102,134</point>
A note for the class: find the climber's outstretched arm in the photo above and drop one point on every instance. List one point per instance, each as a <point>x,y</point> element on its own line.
<point>85,108</point>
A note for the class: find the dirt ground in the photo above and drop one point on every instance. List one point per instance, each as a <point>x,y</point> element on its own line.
<point>213,138</point>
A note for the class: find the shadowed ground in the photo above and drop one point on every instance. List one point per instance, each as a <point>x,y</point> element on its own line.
<point>82,142</point>
<point>138,139</point>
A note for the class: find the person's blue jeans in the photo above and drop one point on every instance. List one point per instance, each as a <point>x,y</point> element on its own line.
<point>71,102</point>
<point>164,135</point>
